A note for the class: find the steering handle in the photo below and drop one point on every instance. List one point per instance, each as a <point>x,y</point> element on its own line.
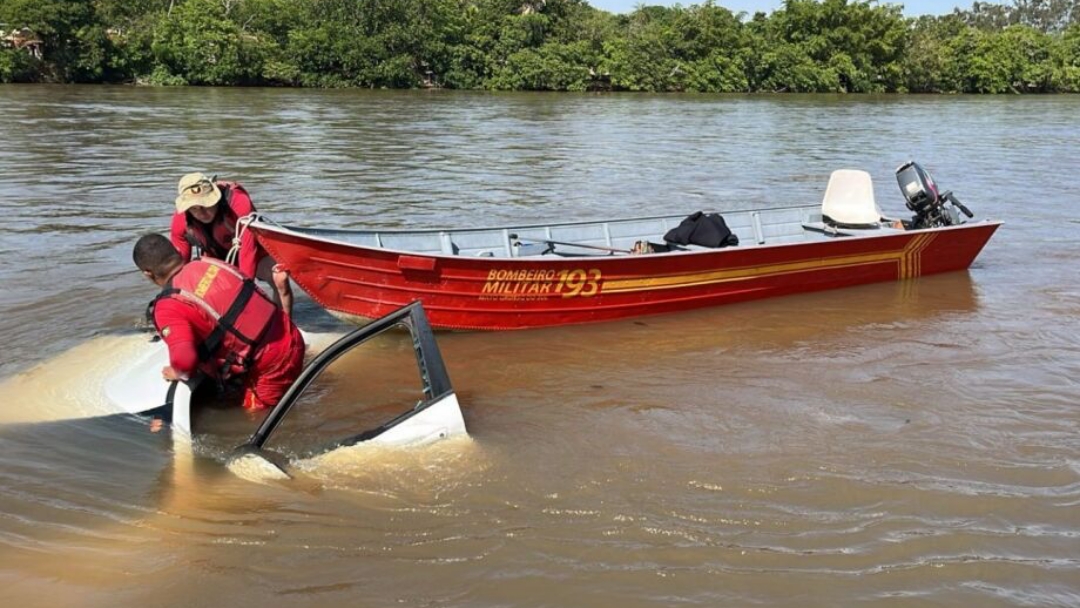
<point>952,199</point>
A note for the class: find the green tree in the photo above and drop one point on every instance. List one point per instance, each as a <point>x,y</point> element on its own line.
<point>17,66</point>
<point>74,44</point>
<point>1015,60</point>
<point>931,62</point>
<point>989,16</point>
<point>1066,75</point>
<point>855,46</point>
<point>198,43</point>
<point>1047,15</point>
<point>806,45</point>
<point>552,67</point>
<point>712,46</point>
<point>645,59</point>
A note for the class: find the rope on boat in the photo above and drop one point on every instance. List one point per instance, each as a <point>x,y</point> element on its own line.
<point>238,232</point>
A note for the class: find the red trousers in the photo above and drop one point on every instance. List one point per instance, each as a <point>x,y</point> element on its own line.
<point>277,365</point>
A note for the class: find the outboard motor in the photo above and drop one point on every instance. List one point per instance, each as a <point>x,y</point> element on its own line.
<point>922,197</point>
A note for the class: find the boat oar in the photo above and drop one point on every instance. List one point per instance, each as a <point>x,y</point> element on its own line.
<point>567,244</point>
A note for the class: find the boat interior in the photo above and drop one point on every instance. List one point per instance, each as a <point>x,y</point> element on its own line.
<point>848,209</point>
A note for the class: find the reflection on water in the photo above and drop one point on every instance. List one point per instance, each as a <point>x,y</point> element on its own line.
<point>890,443</point>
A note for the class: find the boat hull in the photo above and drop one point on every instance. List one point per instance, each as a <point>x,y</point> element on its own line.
<point>484,293</point>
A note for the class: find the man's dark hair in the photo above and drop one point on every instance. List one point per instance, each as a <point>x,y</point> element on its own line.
<point>155,253</point>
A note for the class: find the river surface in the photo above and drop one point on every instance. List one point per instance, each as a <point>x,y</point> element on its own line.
<point>898,444</point>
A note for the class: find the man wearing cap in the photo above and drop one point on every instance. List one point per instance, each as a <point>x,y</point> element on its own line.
<point>206,216</point>
<point>218,324</point>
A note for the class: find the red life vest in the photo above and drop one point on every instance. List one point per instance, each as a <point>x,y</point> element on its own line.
<point>215,239</point>
<point>242,313</point>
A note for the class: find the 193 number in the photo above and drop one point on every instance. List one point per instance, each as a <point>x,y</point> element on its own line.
<point>574,283</point>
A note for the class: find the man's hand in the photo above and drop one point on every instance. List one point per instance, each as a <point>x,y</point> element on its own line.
<point>156,425</point>
<point>170,374</point>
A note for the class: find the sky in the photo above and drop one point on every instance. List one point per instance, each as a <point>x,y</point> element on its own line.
<point>911,7</point>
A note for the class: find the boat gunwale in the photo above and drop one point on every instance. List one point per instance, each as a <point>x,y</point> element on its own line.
<point>262,224</point>
<point>399,231</point>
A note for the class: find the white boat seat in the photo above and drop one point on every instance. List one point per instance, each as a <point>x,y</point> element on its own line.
<point>849,199</point>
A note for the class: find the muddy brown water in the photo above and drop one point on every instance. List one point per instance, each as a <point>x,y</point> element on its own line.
<point>899,444</point>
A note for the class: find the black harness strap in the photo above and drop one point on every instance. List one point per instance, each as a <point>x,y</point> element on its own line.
<point>167,291</point>
<point>226,322</point>
<point>208,244</point>
<point>205,350</point>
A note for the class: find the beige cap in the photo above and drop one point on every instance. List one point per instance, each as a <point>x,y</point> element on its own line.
<point>196,190</point>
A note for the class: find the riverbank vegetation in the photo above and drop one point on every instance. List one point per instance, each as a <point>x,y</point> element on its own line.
<point>559,45</point>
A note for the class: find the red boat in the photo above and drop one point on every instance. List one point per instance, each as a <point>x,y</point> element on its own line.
<point>559,274</point>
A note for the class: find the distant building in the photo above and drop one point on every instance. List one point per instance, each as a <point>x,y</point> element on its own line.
<point>22,38</point>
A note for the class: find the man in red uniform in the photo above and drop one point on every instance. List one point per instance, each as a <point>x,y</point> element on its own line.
<point>217,323</point>
<point>206,216</point>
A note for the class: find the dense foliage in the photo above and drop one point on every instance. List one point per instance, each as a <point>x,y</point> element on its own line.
<point>562,45</point>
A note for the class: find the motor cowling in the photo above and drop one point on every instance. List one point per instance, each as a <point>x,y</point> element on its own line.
<point>920,191</point>
<point>925,199</point>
